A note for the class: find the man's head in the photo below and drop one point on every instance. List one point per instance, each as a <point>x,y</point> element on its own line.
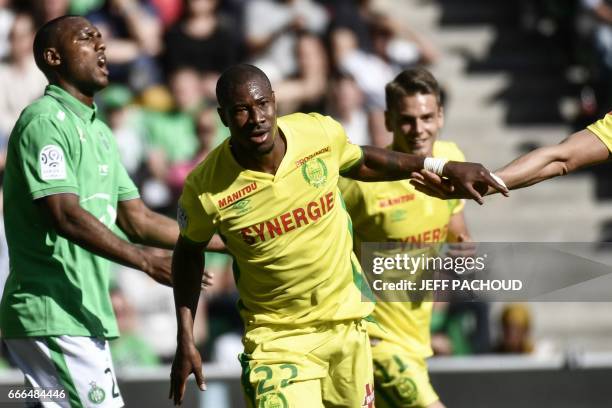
<point>70,52</point>
<point>414,114</point>
<point>248,108</point>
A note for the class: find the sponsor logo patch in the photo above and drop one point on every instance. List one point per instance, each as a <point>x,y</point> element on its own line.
<point>52,163</point>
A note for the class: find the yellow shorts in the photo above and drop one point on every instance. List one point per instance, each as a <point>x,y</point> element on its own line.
<point>309,367</point>
<point>400,378</point>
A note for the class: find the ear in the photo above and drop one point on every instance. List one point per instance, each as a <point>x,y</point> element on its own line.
<point>52,57</point>
<point>388,121</point>
<point>222,116</point>
<point>441,117</point>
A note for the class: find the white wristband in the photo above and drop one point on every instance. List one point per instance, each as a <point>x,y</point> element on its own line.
<point>498,179</point>
<point>434,165</point>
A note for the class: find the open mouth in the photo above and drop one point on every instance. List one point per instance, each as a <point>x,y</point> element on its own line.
<point>260,136</point>
<point>102,64</point>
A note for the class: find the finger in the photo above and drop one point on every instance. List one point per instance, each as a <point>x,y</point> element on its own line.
<point>417,176</point>
<point>181,394</point>
<point>429,189</point>
<point>426,189</point>
<point>200,378</point>
<point>475,195</point>
<point>431,177</point>
<point>497,183</point>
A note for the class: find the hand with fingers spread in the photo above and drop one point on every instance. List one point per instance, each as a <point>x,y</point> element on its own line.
<point>187,360</point>
<point>459,180</point>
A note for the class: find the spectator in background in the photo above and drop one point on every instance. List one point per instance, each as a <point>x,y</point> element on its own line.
<point>133,39</point>
<point>287,49</point>
<point>131,349</point>
<point>375,58</point>
<point>171,136</point>
<point>46,10</point>
<point>127,123</point>
<point>599,32</point>
<point>206,132</point>
<point>516,330</point>
<point>6,22</point>
<point>202,40</point>
<point>460,328</point>
<point>20,80</point>
<point>345,103</point>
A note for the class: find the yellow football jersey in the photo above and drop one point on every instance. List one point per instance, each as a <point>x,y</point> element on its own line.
<point>294,261</point>
<point>603,129</point>
<point>396,212</point>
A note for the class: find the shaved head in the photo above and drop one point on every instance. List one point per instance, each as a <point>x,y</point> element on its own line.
<point>48,36</point>
<point>238,76</point>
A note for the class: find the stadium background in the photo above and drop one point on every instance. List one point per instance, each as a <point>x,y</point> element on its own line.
<point>517,75</point>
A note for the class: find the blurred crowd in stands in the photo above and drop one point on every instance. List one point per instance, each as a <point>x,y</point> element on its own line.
<point>333,57</point>
<point>583,30</point>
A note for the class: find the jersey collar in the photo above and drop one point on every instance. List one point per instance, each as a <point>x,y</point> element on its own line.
<point>86,113</point>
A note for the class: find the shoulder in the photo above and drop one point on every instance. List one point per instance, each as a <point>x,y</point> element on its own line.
<point>212,171</point>
<point>44,111</point>
<point>448,150</point>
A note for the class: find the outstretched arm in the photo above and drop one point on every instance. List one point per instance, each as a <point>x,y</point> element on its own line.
<point>580,149</point>
<point>385,165</point>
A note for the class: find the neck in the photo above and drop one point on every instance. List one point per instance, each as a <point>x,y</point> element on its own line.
<point>265,163</point>
<point>74,91</point>
<point>398,147</point>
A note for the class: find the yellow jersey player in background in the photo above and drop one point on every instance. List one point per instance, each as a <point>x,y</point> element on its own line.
<point>395,212</point>
<point>271,192</point>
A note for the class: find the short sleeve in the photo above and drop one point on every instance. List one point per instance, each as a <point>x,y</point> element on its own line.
<point>348,154</point>
<point>351,194</point>
<point>195,223</point>
<point>126,189</point>
<point>603,130</point>
<point>46,159</point>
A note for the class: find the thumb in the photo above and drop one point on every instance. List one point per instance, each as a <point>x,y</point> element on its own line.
<point>200,379</point>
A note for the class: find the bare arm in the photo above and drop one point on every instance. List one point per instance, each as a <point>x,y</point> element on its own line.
<point>187,269</point>
<point>386,165</point>
<point>72,222</point>
<point>143,27</point>
<point>146,227</point>
<point>581,149</point>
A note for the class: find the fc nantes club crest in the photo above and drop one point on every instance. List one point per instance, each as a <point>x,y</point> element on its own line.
<point>273,400</point>
<point>407,390</point>
<point>315,172</point>
<point>96,394</point>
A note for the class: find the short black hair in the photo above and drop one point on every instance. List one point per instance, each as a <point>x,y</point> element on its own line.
<point>46,37</point>
<point>235,76</point>
<point>410,82</point>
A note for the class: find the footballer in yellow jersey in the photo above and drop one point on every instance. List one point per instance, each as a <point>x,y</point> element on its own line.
<point>395,211</point>
<point>271,192</point>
